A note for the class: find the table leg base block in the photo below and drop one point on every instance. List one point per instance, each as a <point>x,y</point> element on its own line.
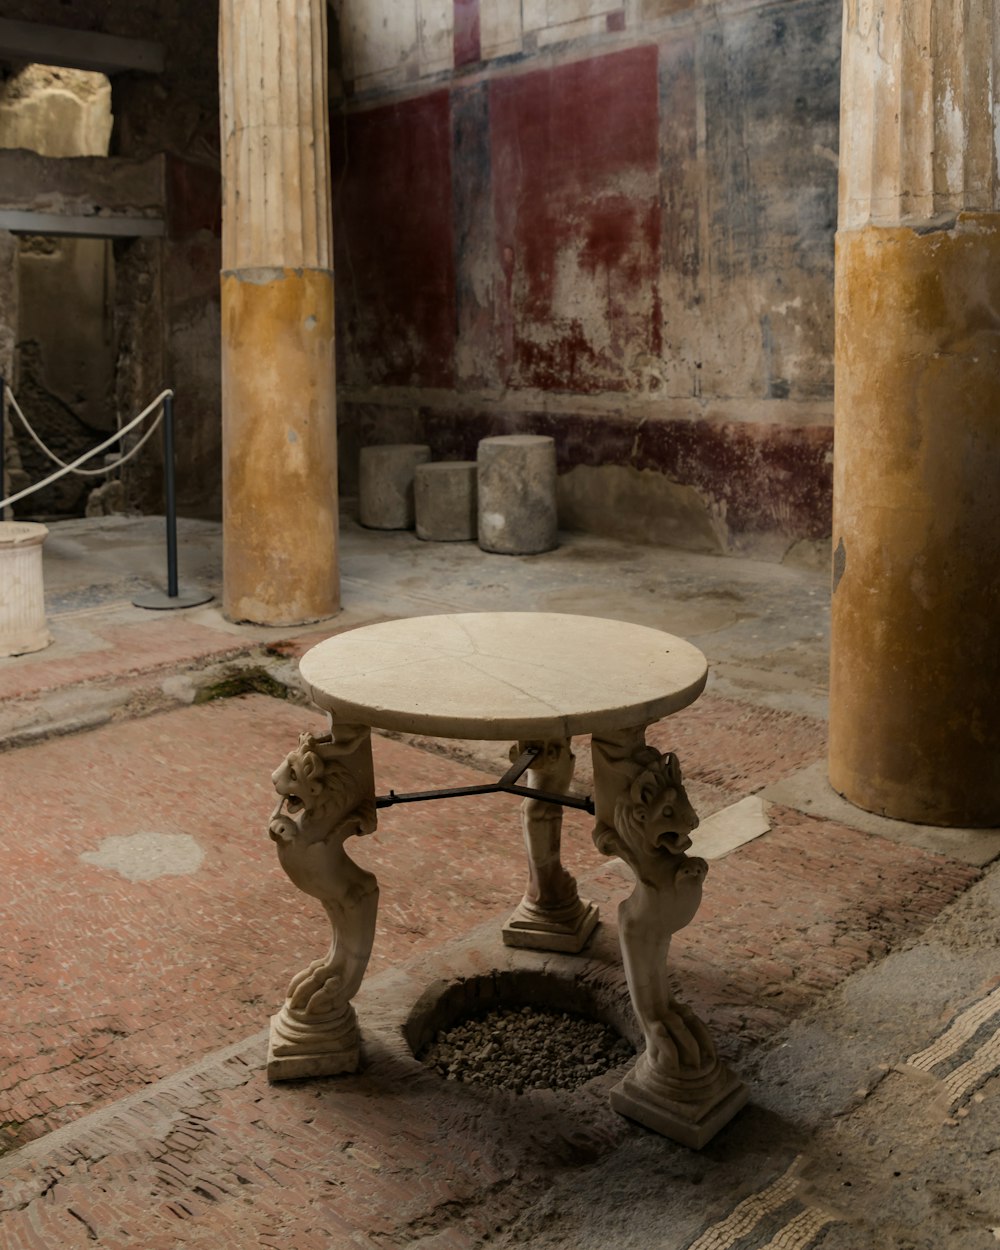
<point>318,1054</point>
<point>693,1124</point>
<point>530,928</point>
<point>298,1067</point>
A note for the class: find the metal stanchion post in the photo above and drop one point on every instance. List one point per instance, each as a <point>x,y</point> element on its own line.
<point>171,494</point>
<point>174,598</point>
<point>3,442</point>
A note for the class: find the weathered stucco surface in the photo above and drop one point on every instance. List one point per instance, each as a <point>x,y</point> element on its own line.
<point>915,665</point>
<point>53,185</point>
<point>279,528</point>
<point>621,234</point>
<point>915,679</point>
<point>279,410</point>
<point>610,223</point>
<point>11,476</point>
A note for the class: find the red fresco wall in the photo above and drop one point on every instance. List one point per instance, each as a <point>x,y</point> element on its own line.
<point>466,38</point>
<point>647,230</point>
<point>577,215</point>
<point>561,144</point>
<point>393,244</point>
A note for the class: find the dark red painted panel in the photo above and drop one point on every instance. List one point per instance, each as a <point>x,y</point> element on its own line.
<point>466,38</point>
<point>576,205</point>
<point>767,477</point>
<point>393,243</point>
<point>581,439</point>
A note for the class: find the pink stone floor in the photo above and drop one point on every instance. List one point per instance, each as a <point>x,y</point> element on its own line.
<point>116,983</point>
<point>131,1011</point>
<point>114,649</point>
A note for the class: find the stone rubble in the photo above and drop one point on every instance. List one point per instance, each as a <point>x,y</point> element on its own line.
<point>526,1048</point>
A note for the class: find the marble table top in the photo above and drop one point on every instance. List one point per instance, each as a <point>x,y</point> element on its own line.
<point>503,675</point>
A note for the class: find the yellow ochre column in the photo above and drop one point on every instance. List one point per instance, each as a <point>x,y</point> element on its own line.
<point>915,661</point>
<point>278,382</point>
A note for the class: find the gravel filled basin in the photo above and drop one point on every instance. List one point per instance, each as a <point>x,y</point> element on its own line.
<point>520,1048</point>
<point>519,1031</point>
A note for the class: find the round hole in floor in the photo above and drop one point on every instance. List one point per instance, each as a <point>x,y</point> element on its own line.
<point>519,1031</point>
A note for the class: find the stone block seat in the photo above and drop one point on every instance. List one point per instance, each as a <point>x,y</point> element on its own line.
<point>517,494</point>
<point>385,484</point>
<point>444,497</point>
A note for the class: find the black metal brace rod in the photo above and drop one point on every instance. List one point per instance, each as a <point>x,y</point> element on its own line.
<point>506,785</point>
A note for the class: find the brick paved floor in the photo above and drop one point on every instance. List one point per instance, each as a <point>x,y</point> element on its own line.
<point>116,984</point>
<point>133,1107</point>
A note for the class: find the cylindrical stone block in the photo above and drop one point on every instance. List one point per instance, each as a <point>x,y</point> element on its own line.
<point>444,496</point>
<point>385,487</point>
<point>517,494</point>
<point>22,605</point>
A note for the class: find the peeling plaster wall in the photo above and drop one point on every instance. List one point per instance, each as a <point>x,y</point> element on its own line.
<point>166,291</point>
<point>609,222</point>
<point>64,358</point>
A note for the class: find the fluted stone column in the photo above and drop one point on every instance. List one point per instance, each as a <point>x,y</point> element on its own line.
<point>915,666</point>
<point>278,387</point>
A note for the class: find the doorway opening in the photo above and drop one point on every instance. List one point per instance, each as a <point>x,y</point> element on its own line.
<point>65,343</point>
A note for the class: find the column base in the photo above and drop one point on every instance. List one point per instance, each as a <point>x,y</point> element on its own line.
<point>693,1116</point>
<point>565,929</point>
<point>325,1047</point>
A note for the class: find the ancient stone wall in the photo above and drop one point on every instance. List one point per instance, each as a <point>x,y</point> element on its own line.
<point>166,292</point>
<point>610,222</point>
<point>63,366</point>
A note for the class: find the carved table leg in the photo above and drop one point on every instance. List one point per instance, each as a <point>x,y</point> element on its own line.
<point>327,794</point>
<point>551,916</point>
<point>678,1086</point>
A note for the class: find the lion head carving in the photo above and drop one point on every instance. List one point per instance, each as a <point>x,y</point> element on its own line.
<point>319,793</point>
<point>654,813</point>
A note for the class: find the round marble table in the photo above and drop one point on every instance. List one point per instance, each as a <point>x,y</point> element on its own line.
<point>539,679</point>
<point>492,675</point>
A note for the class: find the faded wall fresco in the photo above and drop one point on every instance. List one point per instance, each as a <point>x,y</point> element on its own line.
<point>395,269</point>
<point>611,220</point>
<point>613,224</point>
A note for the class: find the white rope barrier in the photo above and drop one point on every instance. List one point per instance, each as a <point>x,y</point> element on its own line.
<point>108,468</point>
<point>87,455</point>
